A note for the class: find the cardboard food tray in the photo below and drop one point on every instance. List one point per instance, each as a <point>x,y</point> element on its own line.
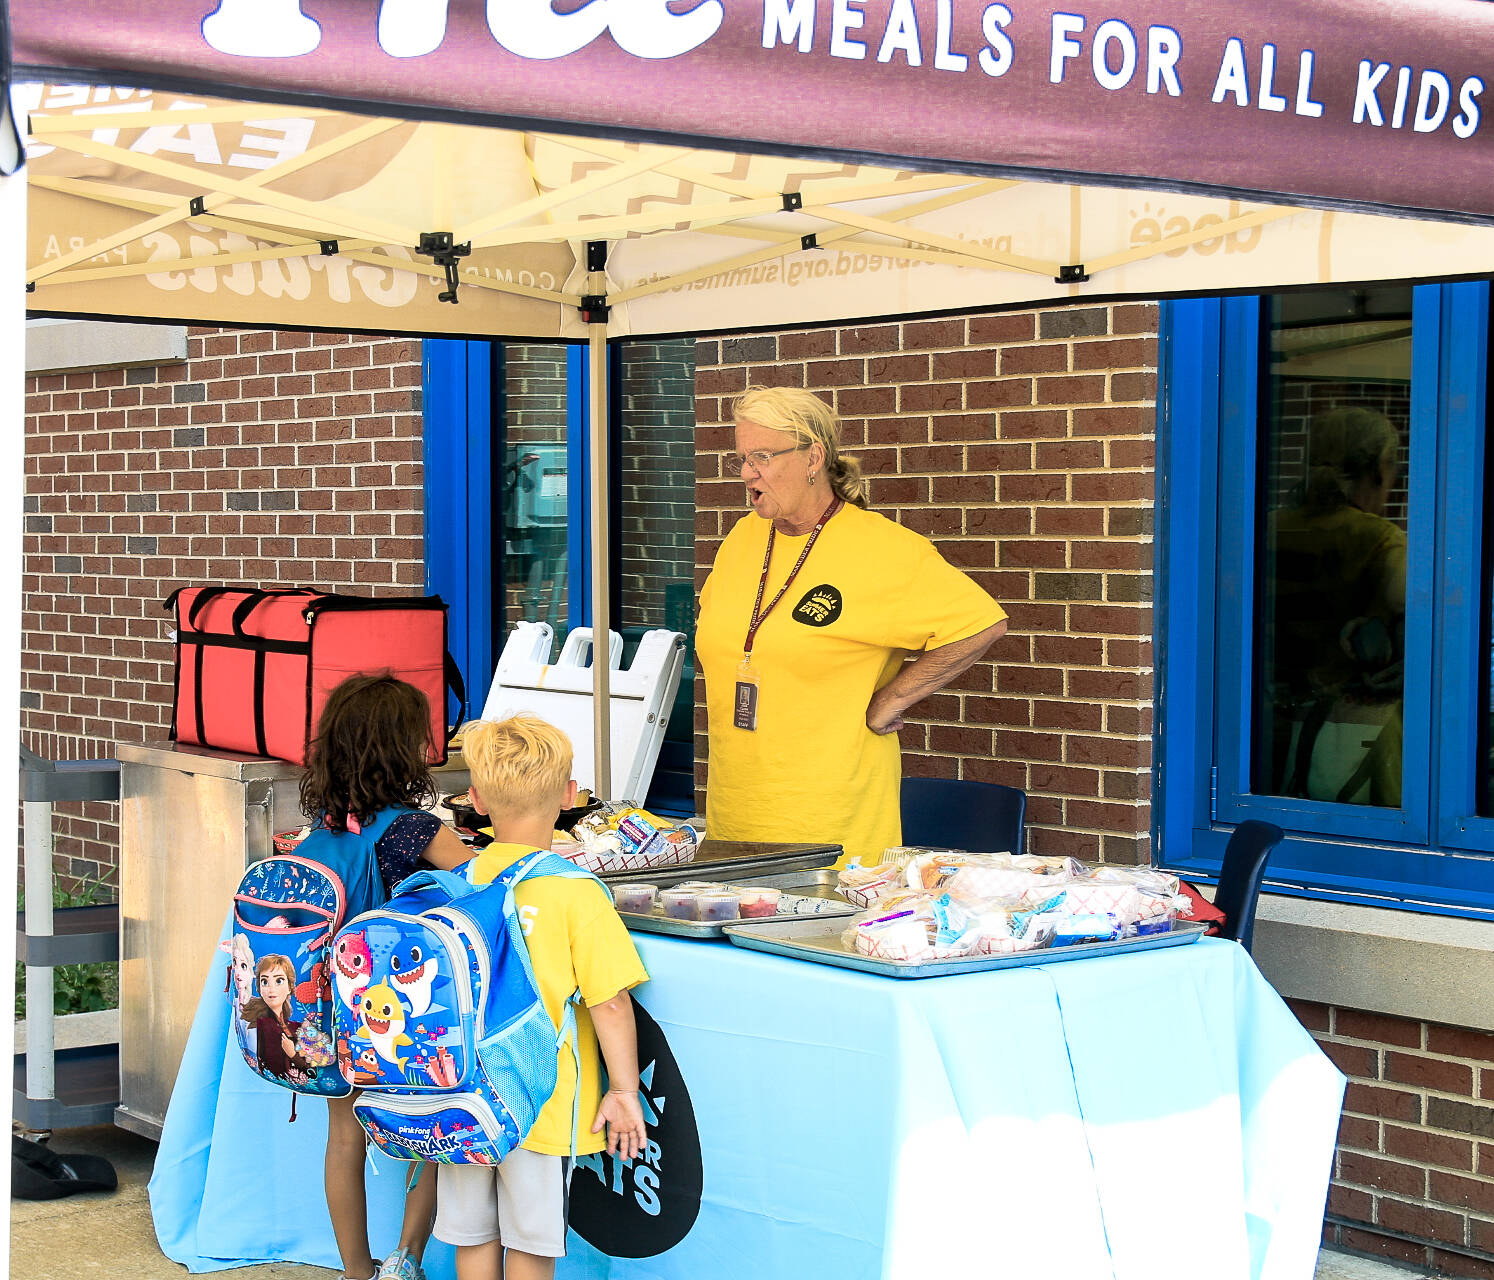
<point>818,940</point>
<point>816,882</point>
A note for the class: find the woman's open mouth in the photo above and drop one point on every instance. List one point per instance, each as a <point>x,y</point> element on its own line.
<point>753,494</point>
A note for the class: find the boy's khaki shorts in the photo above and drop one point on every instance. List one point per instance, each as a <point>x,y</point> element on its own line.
<point>524,1202</point>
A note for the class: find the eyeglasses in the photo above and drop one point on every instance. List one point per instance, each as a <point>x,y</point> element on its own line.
<point>757,459</point>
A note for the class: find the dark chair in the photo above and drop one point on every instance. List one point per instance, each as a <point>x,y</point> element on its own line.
<point>983,817</point>
<point>1240,877</point>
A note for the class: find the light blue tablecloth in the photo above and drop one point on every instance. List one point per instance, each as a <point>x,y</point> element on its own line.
<point>1140,1117</point>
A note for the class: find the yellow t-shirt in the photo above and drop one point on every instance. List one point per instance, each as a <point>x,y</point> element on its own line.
<point>869,593</point>
<point>576,940</point>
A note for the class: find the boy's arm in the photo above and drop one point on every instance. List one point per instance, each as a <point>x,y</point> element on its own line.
<point>620,1112</point>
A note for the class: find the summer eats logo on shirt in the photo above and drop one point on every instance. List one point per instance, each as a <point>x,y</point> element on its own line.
<point>644,1207</point>
<point>819,607</point>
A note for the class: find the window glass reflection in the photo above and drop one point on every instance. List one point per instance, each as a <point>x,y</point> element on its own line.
<point>1332,462</point>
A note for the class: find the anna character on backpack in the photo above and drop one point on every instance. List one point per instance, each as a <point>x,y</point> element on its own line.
<point>367,771</point>
<point>269,1014</point>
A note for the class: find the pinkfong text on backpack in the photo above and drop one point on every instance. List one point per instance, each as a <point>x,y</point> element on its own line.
<point>283,976</point>
<point>450,1040</point>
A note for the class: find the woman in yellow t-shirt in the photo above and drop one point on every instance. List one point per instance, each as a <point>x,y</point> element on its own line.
<point>821,623</point>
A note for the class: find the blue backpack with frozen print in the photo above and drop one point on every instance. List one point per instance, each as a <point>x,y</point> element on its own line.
<point>283,973</point>
<point>450,1040</point>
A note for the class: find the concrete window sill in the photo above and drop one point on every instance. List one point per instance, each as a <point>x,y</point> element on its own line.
<point>1426,967</point>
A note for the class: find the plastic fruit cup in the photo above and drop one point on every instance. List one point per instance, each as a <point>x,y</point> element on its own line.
<point>755,903</point>
<point>681,904</point>
<point>718,906</point>
<point>637,898</point>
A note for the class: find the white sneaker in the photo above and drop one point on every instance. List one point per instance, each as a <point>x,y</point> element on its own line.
<point>400,1265</point>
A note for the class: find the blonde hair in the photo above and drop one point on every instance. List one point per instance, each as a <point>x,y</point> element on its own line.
<point>520,765</point>
<point>807,418</point>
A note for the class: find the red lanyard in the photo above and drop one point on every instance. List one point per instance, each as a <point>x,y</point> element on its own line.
<point>759,614</point>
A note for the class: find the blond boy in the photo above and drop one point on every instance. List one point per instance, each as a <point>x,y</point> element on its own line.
<point>521,778</point>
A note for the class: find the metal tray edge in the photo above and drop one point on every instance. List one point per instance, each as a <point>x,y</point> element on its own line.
<point>753,940</point>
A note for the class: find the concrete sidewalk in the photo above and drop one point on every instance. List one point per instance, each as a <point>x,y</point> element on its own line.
<point>107,1234</point>
<point>110,1235</point>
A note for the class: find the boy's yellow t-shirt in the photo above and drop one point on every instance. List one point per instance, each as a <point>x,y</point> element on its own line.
<point>576,940</point>
<point>869,594</point>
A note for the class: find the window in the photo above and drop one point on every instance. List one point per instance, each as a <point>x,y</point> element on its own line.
<point>1326,636</point>
<point>506,498</point>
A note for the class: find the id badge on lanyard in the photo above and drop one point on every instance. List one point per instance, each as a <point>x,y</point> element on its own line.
<point>744,709</point>
<point>744,704</point>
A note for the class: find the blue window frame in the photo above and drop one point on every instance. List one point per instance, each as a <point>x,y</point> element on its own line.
<point>1431,851</point>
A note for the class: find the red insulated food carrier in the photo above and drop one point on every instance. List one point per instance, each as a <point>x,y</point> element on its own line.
<point>254,667</point>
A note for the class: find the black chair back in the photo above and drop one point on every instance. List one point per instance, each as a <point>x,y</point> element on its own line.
<point>1240,877</point>
<point>983,817</point>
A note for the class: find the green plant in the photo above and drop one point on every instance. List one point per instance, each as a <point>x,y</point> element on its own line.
<point>76,988</point>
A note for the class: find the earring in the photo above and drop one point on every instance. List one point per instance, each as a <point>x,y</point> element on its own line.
<point>811,477</point>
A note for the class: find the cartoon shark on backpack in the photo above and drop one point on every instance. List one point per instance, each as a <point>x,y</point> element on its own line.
<point>453,1042</point>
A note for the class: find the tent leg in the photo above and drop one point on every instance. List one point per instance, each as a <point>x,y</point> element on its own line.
<point>12,392</point>
<point>601,602</point>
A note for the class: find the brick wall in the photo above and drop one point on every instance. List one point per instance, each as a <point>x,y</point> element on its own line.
<point>269,458</point>
<point>1416,1145</point>
<point>656,428</point>
<point>1022,444</point>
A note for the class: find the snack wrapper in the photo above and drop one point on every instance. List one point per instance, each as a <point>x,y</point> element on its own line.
<point>602,852</point>
<point>866,886</point>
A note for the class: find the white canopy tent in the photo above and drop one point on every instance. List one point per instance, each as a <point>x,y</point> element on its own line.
<point>148,204</point>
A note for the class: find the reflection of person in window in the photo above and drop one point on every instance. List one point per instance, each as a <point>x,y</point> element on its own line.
<point>1340,603</point>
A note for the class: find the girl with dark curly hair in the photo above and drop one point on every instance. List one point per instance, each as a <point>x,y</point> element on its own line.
<point>369,755</point>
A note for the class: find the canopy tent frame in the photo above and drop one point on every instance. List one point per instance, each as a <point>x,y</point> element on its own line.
<point>810,207</point>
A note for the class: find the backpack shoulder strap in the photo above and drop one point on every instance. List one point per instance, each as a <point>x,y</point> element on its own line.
<point>543,863</point>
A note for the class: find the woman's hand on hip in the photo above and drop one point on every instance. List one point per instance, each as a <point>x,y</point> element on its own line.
<point>883,715</point>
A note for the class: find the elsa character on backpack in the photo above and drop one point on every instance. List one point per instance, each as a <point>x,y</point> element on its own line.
<point>369,755</point>
<point>241,976</point>
<point>510,1219</point>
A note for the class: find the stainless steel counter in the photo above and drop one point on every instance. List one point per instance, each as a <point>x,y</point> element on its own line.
<point>190,821</point>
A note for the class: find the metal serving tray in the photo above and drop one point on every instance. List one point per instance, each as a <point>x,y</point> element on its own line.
<point>734,862</point>
<point>818,939</point>
<point>816,882</point>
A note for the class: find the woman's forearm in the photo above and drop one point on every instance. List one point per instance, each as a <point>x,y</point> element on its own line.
<point>927,674</point>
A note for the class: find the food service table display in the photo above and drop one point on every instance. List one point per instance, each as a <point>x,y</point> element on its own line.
<point>1122,1117</point>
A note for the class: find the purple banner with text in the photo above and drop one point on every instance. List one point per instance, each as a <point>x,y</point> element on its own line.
<point>1352,102</point>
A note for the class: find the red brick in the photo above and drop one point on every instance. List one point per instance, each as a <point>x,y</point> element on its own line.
<point>1115,353</point>
<point>1425,1147</point>
<point>1050,357</point>
<point>1421,1221</point>
<point>1391,1104</point>
<point>1313,1016</point>
<point>1382,1028</point>
<point>1476,1194</point>
<point>1457,1042</point>
<point>1382,1175</point>
<point>1016,326</point>
<point>1359,1133</point>
<point>1429,1073</point>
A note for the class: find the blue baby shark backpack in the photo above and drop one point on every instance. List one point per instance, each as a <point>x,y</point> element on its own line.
<point>450,1040</point>
<point>284,974</point>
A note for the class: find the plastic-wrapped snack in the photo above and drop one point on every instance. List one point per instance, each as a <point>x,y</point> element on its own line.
<point>977,876</point>
<point>1119,900</point>
<point>865,886</point>
<point>793,904</point>
<point>927,927</point>
<point>900,855</point>
<point>1068,868</point>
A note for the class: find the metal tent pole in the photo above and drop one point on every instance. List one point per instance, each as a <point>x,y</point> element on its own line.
<point>595,311</point>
